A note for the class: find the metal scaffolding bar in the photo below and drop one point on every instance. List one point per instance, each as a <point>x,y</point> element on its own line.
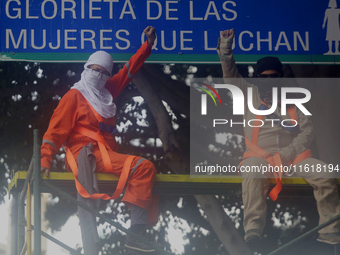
<point>23,251</point>
<point>27,180</point>
<point>28,216</point>
<point>297,240</point>
<point>36,193</point>
<point>21,243</point>
<point>107,219</point>
<point>21,225</point>
<point>56,241</point>
<point>14,224</point>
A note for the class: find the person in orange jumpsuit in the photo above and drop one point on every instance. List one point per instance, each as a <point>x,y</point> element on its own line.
<point>84,121</point>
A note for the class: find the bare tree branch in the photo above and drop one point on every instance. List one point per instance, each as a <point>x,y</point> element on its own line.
<point>168,90</point>
<point>178,161</point>
<point>158,110</point>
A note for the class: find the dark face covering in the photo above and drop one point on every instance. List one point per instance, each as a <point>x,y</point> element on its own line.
<point>266,82</point>
<point>265,87</point>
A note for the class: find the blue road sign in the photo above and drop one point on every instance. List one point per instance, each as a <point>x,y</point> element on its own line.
<point>187,31</point>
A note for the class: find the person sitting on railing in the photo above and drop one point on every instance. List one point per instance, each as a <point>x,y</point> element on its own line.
<point>276,145</point>
<point>84,121</point>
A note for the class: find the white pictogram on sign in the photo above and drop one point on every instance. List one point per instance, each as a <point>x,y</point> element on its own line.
<point>333,29</point>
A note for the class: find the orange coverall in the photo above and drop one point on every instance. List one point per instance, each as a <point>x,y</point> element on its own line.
<point>74,110</point>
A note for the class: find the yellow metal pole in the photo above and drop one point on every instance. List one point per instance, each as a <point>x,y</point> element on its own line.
<point>29,230</point>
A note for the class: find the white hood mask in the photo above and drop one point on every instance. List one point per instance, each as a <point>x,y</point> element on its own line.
<point>93,88</point>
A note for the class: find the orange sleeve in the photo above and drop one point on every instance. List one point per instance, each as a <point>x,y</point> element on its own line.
<point>59,129</point>
<point>119,81</point>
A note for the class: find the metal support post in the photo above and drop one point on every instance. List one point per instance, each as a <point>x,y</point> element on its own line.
<point>21,225</point>
<point>28,215</point>
<point>14,224</point>
<point>36,193</point>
